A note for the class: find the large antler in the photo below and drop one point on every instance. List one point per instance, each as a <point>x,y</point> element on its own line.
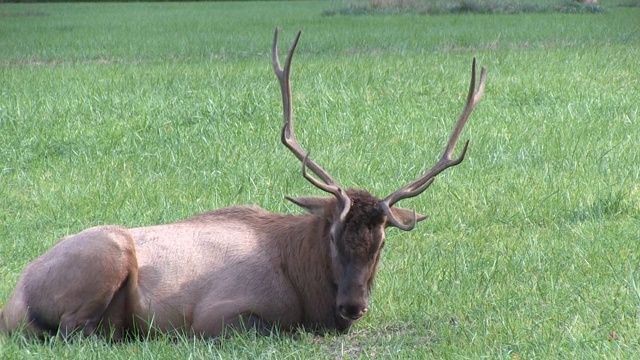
<point>422,183</point>
<point>289,138</point>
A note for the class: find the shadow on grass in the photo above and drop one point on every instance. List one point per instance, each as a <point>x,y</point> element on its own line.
<point>22,13</point>
<point>439,7</point>
<point>620,202</point>
<point>384,341</point>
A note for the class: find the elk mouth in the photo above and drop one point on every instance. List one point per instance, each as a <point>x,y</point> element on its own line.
<point>351,312</point>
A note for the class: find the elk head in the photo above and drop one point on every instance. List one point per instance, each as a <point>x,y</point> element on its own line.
<point>357,219</point>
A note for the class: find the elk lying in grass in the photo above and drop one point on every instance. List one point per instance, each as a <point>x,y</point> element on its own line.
<point>233,268</point>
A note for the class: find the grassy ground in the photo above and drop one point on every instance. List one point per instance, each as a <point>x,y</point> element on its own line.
<point>144,113</point>
<point>439,7</point>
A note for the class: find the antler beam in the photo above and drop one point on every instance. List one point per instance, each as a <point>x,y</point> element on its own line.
<point>422,183</point>
<point>288,137</point>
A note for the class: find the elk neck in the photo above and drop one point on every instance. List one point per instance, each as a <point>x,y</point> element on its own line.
<point>304,256</point>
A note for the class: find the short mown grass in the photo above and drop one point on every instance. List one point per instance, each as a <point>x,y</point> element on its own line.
<point>144,113</point>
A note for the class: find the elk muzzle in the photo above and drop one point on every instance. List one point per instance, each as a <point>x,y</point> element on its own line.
<point>353,295</point>
<point>352,311</point>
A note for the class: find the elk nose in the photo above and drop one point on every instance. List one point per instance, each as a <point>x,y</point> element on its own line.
<point>352,312</point>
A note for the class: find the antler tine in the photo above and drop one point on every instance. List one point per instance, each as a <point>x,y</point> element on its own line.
<point>288,136</point>
<point>422,183</point>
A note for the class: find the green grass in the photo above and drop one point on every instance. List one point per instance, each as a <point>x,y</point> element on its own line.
<point>439,7</point>
<point>151,112</point>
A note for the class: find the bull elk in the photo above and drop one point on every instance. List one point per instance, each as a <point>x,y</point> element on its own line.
<point>234,268</point>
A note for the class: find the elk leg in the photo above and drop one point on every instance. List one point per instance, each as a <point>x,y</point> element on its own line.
<point>247,322</point>
<point>119,316</point>
<point>74,285</point>
<point>225,318</point>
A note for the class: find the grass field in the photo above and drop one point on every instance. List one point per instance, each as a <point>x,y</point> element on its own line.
<point>144,113</point>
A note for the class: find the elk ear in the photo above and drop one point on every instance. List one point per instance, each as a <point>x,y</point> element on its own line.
<point>406,216</point>
<point>322,206</point>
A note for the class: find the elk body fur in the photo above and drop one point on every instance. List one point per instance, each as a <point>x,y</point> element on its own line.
<point>233,268</point>
<point>225,267</point>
